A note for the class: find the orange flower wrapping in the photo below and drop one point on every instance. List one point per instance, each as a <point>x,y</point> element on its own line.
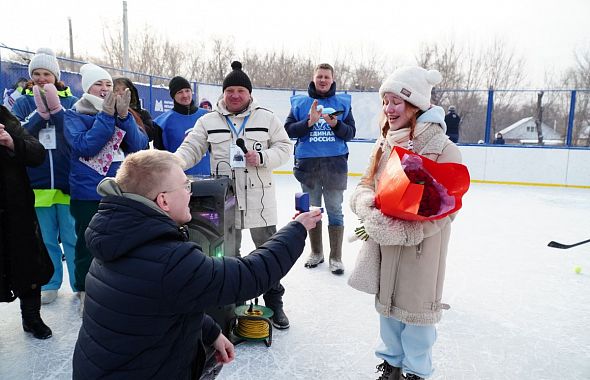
<point>413,187</point>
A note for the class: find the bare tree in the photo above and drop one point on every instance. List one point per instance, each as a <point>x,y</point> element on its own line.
<point>467,74</point>
<point>218,65</point>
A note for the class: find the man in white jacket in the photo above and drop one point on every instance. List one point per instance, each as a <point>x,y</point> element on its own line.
<point>246,142</point>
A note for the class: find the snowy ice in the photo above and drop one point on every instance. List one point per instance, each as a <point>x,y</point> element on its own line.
<point>518,309</point>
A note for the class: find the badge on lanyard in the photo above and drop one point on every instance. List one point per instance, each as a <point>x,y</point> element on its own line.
<point>237,159</point>
<point>118,155</point>
<point>47,137</point>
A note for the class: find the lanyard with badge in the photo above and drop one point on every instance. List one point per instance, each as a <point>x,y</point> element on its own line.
<point>236,156</point>
<point>47,137</point>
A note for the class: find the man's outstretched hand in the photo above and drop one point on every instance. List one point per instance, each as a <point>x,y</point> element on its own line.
<point>224,349</point>
<point>309,218</point>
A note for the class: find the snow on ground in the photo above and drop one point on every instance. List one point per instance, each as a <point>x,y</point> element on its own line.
<point>518,309</point>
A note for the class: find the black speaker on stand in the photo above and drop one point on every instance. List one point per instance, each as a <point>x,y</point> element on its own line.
<point>212,207</point>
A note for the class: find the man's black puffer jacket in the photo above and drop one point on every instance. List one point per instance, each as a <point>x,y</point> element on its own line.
<point>147,288</point>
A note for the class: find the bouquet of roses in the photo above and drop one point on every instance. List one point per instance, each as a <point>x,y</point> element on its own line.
<point>413,187</point>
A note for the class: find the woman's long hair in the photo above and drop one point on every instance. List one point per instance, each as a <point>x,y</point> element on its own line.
<point>374,164</point>
<point>137,118</point>
<point>58,84</point>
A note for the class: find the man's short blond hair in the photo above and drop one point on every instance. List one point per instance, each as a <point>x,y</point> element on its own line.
<point>144,172</point>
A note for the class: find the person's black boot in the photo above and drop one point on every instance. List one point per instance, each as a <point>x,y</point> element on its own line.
<point>279,319</point>
<point>30,307</point>
<point>273,299</point>
<point>388,372</point>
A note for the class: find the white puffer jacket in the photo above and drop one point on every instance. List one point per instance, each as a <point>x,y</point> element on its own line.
<point>264,132</point>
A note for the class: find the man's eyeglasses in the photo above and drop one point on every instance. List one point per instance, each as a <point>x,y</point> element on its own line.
<point>187,186</point>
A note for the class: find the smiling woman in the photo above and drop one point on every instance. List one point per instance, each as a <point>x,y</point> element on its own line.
<point>41,111</point>
<point>100,132</point>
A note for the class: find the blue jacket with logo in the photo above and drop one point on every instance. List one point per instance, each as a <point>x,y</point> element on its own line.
<point>174,126</point>
<point>321,153</point>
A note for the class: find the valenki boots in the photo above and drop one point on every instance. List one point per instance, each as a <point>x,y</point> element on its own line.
<point>30,307</point>
<point>316,256</point>
<point>336,234</point>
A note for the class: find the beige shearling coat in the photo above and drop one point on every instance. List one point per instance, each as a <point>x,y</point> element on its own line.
<point>264,132</point>
<point>411,255</point>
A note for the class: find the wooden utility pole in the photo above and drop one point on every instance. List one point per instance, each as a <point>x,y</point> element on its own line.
<point>72,68</point>
<point>539,118</point>
<point>125,38</point>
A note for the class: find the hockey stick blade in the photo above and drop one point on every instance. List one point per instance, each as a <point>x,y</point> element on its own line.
<point>555,244</point>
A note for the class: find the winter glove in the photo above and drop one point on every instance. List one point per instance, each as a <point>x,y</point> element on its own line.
<point>41,103</point>
<point>52,98</point>
<point>361,233</point>
<point>108,105</point>
<point>123,104</point>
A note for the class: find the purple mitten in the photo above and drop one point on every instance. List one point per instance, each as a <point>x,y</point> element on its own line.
<point>40,103</point>
<point>52,98</point>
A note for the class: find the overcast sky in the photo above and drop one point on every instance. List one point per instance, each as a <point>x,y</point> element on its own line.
<point>545,33</point>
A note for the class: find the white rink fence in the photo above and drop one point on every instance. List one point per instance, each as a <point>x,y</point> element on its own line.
<point>505,164</point>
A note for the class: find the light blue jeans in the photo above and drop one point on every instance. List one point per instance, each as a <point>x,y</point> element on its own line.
<point>332,200</point>
<point>408,347</point>
<point>57,222</point>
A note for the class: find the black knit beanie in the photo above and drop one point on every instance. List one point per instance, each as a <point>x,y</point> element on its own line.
<point>176,84</point>
<point>237,77</point>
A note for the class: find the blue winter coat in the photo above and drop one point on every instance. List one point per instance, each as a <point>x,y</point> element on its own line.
<point>329,172</point>
<point>87,135</point>
<point>148,286</point>
<point>55,171</point>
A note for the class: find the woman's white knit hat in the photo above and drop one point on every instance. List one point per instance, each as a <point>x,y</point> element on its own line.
<point>413,84</point>
<point>44,58</point>
<point>92,73</point>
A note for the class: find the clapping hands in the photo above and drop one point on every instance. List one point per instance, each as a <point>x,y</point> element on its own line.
<point>46,100</point>
<point>122,104</point>
<point>117,103</point>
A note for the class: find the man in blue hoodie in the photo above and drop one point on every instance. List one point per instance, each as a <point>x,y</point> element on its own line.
<point>148,286</point>
<point>322,123</point>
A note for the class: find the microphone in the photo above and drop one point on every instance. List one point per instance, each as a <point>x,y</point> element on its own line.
<point>242,145</point>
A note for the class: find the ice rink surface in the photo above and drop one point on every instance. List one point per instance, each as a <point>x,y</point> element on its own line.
<point>518,309</point>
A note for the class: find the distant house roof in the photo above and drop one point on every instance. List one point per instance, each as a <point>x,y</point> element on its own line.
<point>525,129</point>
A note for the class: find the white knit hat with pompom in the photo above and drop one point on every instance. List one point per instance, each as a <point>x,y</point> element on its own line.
<point>413,84</point>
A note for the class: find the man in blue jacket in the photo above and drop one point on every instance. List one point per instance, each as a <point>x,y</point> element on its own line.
<point>173,125</point>
<point>322,123</point>
<point>148,286</point>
